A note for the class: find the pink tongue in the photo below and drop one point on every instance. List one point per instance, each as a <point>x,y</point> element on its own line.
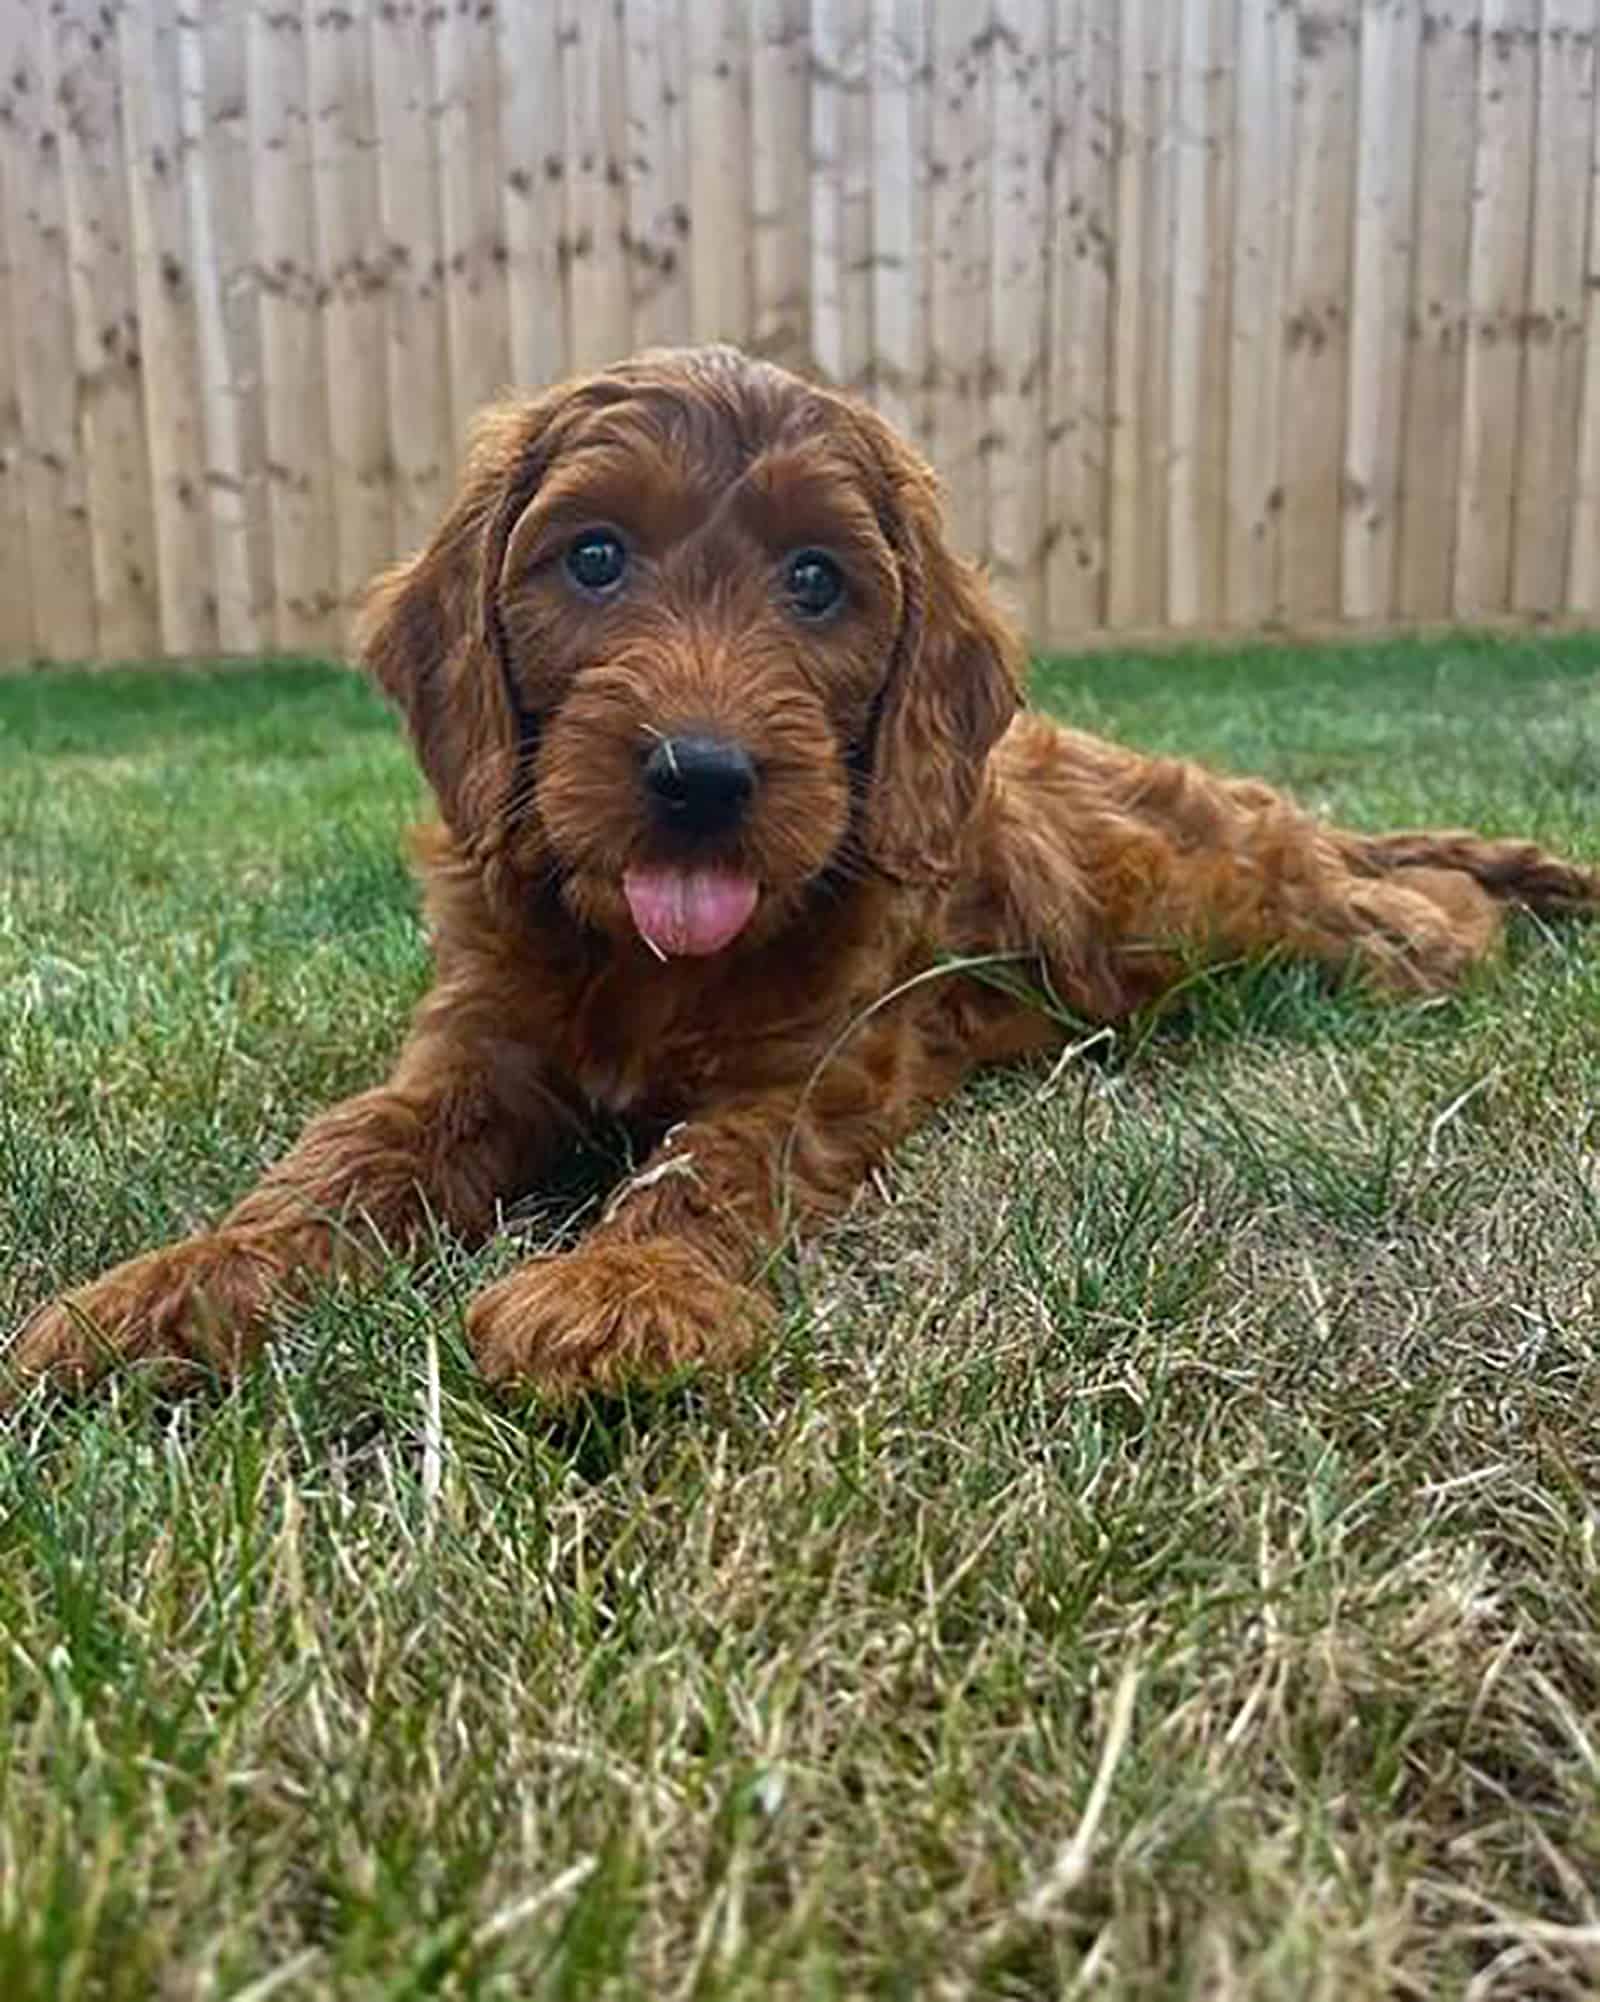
<point>689,912</point>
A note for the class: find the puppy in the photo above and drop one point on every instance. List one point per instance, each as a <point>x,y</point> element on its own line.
<point>729,758</point>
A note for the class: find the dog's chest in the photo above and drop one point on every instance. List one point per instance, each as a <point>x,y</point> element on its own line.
<point>650,1051</point>
<point>661,1084</point>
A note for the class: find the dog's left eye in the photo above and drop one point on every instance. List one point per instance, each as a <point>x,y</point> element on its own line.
<point>813,583</point>
<point>596,561</point>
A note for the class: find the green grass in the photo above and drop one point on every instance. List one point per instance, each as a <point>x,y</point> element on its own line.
<point>1158,1559</point>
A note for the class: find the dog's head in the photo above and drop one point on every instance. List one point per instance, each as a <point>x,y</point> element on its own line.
<point>689,640</point>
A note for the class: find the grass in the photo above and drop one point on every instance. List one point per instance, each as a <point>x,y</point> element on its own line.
<point>1159,1558</point>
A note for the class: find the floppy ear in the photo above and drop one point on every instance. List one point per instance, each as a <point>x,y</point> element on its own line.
<point>954,684</point>
<point>429,631</point>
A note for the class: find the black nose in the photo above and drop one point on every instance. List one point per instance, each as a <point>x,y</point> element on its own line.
<point>699,785</point>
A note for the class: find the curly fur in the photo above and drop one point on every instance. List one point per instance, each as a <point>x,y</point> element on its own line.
<point>906,811</point>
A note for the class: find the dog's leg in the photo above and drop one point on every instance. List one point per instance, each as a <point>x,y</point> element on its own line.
<point>1128,872</point>
<point>446,1136</point>
<point>671,1275</point>
<point>1513,872</point>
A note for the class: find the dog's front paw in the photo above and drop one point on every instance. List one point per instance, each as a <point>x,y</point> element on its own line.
<point>607,1315</point>
<point>204,1301</point>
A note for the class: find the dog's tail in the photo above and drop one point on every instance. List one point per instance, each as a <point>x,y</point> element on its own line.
<point>1517,872</point>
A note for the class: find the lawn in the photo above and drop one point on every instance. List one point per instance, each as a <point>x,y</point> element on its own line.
<point>1159,1558</point>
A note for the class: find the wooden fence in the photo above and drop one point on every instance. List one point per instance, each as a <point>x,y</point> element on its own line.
<point>1211,312</point>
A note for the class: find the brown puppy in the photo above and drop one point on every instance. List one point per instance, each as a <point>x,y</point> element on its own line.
<point>726,744</point>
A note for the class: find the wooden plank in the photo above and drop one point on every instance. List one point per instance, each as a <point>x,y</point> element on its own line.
<point>780,221</point>
<point>17,640</point>
<point>1211,498</point>
<point>1380,307</point>
<point>1152,557</point>
<point>1552,368</point>
<point>1125,601</point>
<point>147,41</point>
<point>54,492</point>
<point>899,332</point>
<point>857,368</point>
<point>224,492</point>
<point>841,191</point>
<point>1188,146</point>
<point>416,372</point>
<point>1141,347</point>
<point>719,171</point>
<point>921,395</point>
<point>1202,157</point>
<point>1263,138</point>
<point>1316,369</point>
<point>826,206</point>
<point>599,281</point>
<point>1077,430</point>
<point>1501,227</point>
<point>106,334</point>
<point>1583,573</point>
<point>1019,309</point>
<point>228,172</point>
<point>959,128</point>
<point>353,275</point>
<point>658,161</point>
<point>1435,363</point>
<point>305,595</point>
<point>477,318</point>
<point>533,167</point>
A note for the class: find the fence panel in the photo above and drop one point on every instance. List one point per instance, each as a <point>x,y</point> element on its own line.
<point>1211,313</point>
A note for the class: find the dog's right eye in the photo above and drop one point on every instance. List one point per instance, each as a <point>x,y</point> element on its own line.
<point>596,561</point>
